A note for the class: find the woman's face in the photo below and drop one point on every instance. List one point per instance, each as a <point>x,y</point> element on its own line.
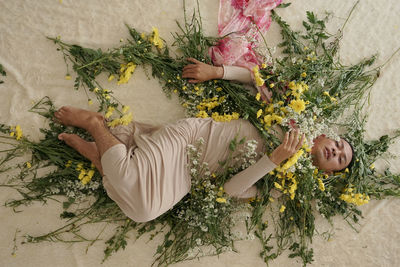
<point>330,155</point>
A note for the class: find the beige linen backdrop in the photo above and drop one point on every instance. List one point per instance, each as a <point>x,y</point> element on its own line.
<point>35,69</point>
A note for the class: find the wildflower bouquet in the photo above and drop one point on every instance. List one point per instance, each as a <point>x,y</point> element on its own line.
<point>310,90</point>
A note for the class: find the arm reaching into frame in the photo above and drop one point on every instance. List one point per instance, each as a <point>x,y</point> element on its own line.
<point>200,72</point>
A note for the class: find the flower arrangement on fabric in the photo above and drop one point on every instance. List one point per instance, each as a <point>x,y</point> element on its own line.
<point>309,88</point>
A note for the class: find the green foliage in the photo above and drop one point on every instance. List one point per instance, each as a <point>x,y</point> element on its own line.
<point>335,88</point>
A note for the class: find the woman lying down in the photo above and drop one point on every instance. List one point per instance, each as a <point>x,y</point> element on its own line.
<point>145,168</point>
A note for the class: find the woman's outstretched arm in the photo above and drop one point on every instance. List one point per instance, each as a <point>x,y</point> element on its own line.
<point>200,72</point>
<point>241,184</point>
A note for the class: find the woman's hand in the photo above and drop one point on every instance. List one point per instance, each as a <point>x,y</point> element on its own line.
<point>291,143</point>
<point>200,72</point>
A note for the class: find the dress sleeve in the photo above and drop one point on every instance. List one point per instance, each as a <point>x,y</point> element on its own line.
<point>241,184</point>
<point>236,73</point>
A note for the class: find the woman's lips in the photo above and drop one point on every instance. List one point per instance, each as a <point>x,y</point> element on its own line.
<point>327,154</point>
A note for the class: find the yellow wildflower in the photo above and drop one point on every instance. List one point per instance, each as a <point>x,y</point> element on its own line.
<point>269,109</point>
<point>126,72</point>
<point>68,77</point>
<point>109,112</point>
<point>90,173</point>
<point>282,209</point>
<point>259,81</point>
<point>292,85</point>
<point>90,102</point>
<point>271,85</point>
<point>202,114</point>
<point>12,134</point>
<point>303,75</point>
<point>18,132</point>
<point>219,89</point>
<point>321,185</point>
<point>79,166</point>
<point>268,120</point>
<point>277,118</point>
<point>28,165</point>
<point>82,174</point>
<point>278,185</point>
<point>126,119</point>
<point>155,39</point>
<point>68,164</point>
<point>111,77</point>
<point>259,112</point>
<point>96,90</point>
<point>372,166</point>
<point>291,161</point>
<point>258,95</point>
<point>221,200</point>
<point>271,199</point>
<point>125,109</point>
<point>298,105</point>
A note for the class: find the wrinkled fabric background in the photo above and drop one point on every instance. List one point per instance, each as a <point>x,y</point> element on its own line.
<point>35,69</point>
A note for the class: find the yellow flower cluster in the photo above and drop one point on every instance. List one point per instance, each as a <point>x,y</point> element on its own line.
<point>291,161</point>
<point>105,93</point>
<point>202,114</point>
<point>298,105</point>
<point>210,103</point>
<point>17,132</point>
<point>259,81</point>
<point>225,117</point>
<point>155,39</point>
<point>298,88</point>
<point>326,93</point>
<point>109,112</point>
<point>282,209</point>
<point>111,77</point>
<point>85,175</point>
<point>269,119</point>
<point>290,188</point>
<point>350,197</point>
<point>123,120</point>
<point>321,185</point>
<point>126,72</point>
<point>221,200</point>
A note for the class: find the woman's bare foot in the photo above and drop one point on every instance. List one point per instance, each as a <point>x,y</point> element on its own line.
<point>87,149</point>
<point>70,116</point>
